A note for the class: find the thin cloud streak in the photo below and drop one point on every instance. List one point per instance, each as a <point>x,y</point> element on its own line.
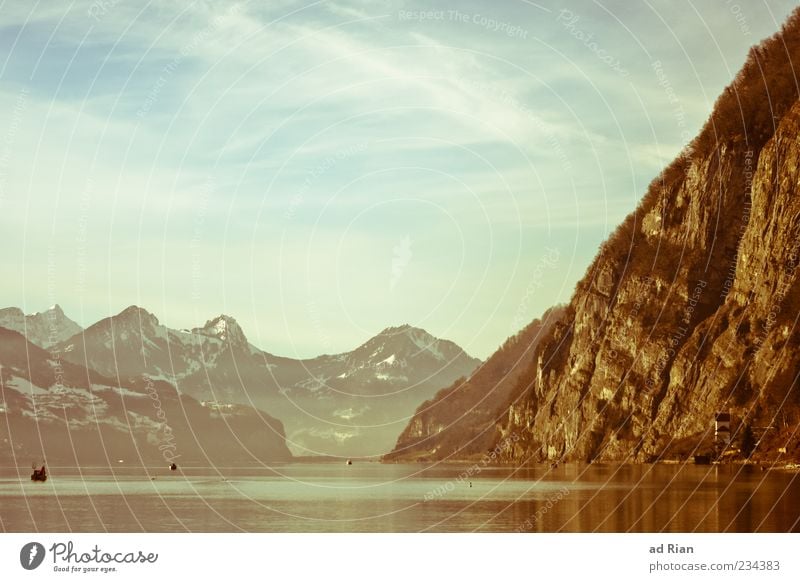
<point>220,135</point>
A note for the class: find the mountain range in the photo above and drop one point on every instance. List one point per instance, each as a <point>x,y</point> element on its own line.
<point>44,329</point>
<point>349,404</point>
<point>67,414</point>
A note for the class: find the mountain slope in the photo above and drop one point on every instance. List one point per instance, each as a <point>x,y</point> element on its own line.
<point>459,419</point>
<point>356,403</point>
<point>690,307</point>
<point>64,413</point>
<point>398,359</point>
<point>43,329</point>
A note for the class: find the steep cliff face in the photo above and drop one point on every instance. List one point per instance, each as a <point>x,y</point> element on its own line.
<point>646,356</point>
<point>690,307</point>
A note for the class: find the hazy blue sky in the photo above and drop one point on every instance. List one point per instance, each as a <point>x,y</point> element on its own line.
<point>323,170</point>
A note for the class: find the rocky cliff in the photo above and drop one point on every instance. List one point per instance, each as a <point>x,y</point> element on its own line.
<point>691,306</point>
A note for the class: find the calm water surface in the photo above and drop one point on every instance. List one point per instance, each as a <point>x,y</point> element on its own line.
<point>372,497</point>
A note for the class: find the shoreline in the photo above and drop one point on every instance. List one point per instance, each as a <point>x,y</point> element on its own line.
<point>764,465</point>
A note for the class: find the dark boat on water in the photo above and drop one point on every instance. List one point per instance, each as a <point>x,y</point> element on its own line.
<point>39,474</point>
<point>702,459</point>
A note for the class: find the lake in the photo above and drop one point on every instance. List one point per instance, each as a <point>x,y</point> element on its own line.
<point>372,497</point>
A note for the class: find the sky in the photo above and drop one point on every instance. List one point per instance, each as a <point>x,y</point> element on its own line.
<point>323,170</point>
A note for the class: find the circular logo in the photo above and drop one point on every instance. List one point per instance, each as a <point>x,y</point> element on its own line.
<point>31,555</point>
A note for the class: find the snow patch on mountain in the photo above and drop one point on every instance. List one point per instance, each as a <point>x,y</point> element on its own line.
<point>426,343</point>
<point>22,386</point>
<point>126,393</point>
<point>388,361</point>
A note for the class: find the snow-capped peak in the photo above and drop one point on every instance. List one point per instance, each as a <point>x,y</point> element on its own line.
<point>134,318</point>
<point>395,345</point>
<point>225,328</point>
<point>53,309</point>
<point>221,327</point>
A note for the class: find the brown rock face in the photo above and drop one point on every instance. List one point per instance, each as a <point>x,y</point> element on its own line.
<point>691,307</point>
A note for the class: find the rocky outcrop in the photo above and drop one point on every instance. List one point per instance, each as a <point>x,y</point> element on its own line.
<point>689,308</point>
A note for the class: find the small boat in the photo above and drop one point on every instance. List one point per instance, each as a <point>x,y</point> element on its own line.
<point>39,474</point>
<point>349,462</point>
<point>173,467</point>
<point>702,459</point>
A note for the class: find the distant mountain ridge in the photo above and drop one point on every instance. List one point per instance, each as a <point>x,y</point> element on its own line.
<point>62,413</point>
<point>351,404</point>
<point>43,329</point>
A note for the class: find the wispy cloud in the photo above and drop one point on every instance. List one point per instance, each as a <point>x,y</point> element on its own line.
<point>330,131</point>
